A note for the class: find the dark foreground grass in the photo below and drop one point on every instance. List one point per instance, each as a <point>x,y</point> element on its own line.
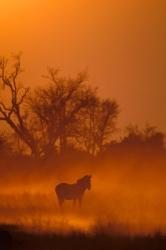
<point>15,239</point>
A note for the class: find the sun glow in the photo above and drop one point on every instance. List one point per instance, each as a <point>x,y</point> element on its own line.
<point>122,44</point>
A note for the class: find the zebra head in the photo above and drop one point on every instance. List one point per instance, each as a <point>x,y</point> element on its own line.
<point>85,182</point>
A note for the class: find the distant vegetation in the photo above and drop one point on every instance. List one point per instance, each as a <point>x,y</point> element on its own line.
<point>66,116</point>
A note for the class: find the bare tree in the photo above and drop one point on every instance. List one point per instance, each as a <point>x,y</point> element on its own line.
<point>108,113</point>
<point>98,124</point>
<point>11,107</point>
<point>57,107</point>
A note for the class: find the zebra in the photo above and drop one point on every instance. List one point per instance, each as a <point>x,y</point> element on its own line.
<point>75,191</point>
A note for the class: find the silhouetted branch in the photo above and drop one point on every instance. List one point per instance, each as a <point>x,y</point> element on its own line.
<point>12,113</point>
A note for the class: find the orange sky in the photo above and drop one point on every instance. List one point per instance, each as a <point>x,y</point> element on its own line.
<point>121,42</point>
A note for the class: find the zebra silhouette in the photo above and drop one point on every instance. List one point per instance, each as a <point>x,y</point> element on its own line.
<point>73,191</point>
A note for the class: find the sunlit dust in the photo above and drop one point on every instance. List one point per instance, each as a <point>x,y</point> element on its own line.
<point>123,201</point>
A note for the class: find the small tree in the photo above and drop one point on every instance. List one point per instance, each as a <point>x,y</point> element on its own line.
<point>133,137</point>
<point>154,138</point>
<point>148,138</point>
<point>98,124</point>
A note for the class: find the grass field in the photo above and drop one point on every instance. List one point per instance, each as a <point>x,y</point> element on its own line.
<point>14,238</point>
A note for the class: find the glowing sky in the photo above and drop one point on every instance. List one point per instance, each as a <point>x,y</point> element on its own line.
<point>122,43</point>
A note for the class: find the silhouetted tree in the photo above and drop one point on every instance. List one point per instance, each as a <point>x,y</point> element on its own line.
<point>134,136</point>
<point>12,110</point>
<point>154,138</point>
<point>98,124</point>
<point>148,137</point>
<point>57,107</point>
